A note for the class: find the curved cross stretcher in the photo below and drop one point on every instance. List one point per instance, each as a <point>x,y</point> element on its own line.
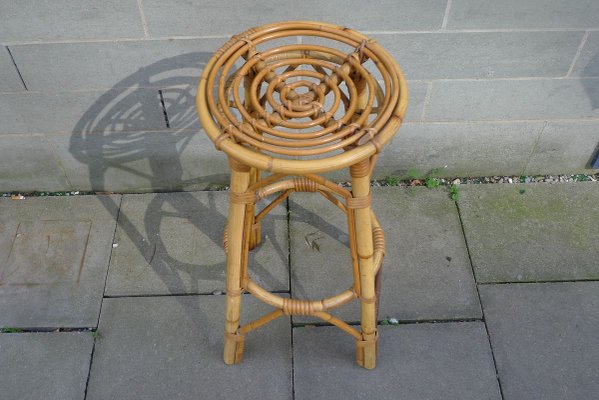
<point>296,111</point>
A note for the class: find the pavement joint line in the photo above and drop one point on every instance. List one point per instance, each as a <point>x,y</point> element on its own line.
<point>539,282</point>
<point>288,214</point>
<point>446,16</point>
<point>228,35</point>
<point>402,183</point>
<point>53,329</point>
<point>113,40</point>
<point>142,14</point>
<point>400,322</point>
<point>166,121</point>
<point>125,296</point>
<point>578,52</point>
<point>534,147</point>
<point>16,67</point>
<point>482,309</point>
<point>58,160</point>
<point>427,100</point>
<point>116,225</point>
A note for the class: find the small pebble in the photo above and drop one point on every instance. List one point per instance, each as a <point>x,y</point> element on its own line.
<point>393,321</point>
<point>217,292</point>
<point>115,245</point>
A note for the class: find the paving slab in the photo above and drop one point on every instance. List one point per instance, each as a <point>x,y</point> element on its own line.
<point>168,18</point>
<point>489,14</point>
<point>415,361</point>
<point>171,243</point>
<point>55,258</point>
<point>31,20</point>
<point>532,232</point>
<point>459,148</point>
<point>565,147</point>
<point>544,338</point>
<point>482,54</point>
<point>66,112</point>
<point>426,272</point>
<point>140,161</point>
<point>513,99</point>
<point>45,365</point>
<point>165,347</point>
<point>587,64</point>
<point>112,64</point>
<point>27,163</point>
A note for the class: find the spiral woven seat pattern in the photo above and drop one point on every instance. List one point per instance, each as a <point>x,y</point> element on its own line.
<point>278,108</point>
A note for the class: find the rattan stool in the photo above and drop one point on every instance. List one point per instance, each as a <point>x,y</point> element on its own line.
<point>301,110</point>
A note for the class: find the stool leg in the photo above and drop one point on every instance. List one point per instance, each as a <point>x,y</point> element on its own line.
<point>255,235</point>
<point>367,348</point>
<point>233,351</point>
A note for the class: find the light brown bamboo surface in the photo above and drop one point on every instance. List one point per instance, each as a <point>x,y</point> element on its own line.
<point>301,110</point>
<point>258,115</point>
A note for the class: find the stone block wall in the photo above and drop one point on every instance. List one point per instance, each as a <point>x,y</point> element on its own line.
<point>100,95</point>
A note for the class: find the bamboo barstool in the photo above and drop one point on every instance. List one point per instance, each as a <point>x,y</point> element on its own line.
<point>283,115</point>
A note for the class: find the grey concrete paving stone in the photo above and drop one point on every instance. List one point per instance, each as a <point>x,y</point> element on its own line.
<point>168,18</point>
<point>92,111</point>
<point>587,63</point>
<point>102,65</point>
<point>32,20</point>
<point>482,54</point>
<point>141,161</point>
<point>565,147</point>
<point>513,99</point>
<point>415,361</point>
<point>514,14</point>
<point>55,259</point>
<point>10,81</point>
<point>426,272</point>
<point>417,92</point>
<point>28,163</point>
<point>544,338</point>
<point>459,148</point>
<point>171,243</point>
<point>532,232</point>
<point>45,365</point>
<point>157,348</point>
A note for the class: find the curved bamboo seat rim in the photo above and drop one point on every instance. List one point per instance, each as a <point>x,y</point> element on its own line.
<point>296,108</point>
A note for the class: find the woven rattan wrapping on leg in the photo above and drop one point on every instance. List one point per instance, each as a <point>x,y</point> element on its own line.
<point>284,114</point>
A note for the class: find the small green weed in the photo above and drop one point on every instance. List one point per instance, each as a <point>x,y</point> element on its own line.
<point>392,181</point>
<point>581,178</point>
<point>454,192</point>
<point>96,335</point>
<point>11,330</point>
<point>431,182</point>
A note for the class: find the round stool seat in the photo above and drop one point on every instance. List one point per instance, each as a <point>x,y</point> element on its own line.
<point>275,102</point>
<point>301,108</point>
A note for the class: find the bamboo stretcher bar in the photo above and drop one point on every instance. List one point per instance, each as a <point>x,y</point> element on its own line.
<point>297,111</point>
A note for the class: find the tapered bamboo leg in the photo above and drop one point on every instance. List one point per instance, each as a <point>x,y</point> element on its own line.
<point>240,178</point>
<point>367,347</point>
<point>255,237</point>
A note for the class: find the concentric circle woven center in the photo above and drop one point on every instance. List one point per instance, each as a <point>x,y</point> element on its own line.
<point>302,99</point>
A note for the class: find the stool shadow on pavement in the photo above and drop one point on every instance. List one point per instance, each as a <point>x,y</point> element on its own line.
<point>592,89</point>
<point>118,137</point>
